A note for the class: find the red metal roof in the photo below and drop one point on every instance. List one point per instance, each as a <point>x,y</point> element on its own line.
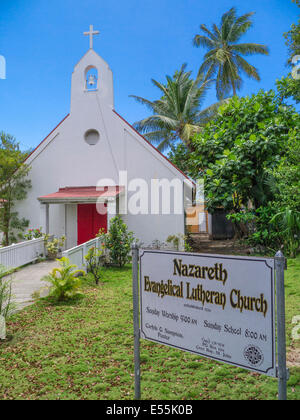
<point>82,193</point>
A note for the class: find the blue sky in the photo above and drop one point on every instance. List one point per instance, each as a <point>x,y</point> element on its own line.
<point>42,40</point>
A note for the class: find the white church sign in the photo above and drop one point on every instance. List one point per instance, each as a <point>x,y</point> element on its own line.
<point>220,307</point>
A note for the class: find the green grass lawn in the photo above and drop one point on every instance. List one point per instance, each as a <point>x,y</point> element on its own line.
<point>84,350</point>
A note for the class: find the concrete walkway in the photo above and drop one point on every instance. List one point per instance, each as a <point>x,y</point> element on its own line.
<point>27,281</point>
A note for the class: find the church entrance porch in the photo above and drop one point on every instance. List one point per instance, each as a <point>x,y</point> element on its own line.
<point>79,213</point>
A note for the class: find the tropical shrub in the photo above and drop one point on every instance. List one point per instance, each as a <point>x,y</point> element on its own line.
<point>7,307</point>
<point>243,221</point>
<point>53,246</point>
<point>286,175</point>
<point>270,228</point>
<point>33,234</point>
<point>157,244</point>
<point>117,241</point>
<point>65,281</point>
<point>175,241</point>
<point>289,223</point>
<point>94,262</point>
<point>277,223</point>
<point>178,240</point>
<point>180,156</point>
<point>260,230</point>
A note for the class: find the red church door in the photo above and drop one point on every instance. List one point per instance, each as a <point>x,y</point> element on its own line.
<point>89,222</point>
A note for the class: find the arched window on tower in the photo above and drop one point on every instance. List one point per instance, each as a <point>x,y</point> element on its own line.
<point>91,79</point>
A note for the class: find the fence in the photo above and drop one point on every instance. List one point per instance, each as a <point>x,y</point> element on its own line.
<point>76,255</point>
<point>17,255</point>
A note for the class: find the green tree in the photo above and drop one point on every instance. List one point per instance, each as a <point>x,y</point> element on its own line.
<point>180,156</point>
<point>177,115</point>
<point>237,152</point>
<point>292,38</point>
<point>224,57</point>
<point>13,187</point>
<point>117,241</point>
<point>286,175</point>
<point>289,86</point>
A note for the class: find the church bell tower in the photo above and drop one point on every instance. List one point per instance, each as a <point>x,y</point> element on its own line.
<point>92,79</point>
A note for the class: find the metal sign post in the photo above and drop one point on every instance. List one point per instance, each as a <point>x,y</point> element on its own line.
<point>282,373</point>
<point>136,322</point>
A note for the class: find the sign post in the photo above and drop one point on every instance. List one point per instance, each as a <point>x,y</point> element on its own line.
<point>136,322</point>
<point>218,306</point>
<point>281,340</point>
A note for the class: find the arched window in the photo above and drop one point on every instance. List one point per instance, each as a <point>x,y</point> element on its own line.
<point>91,79</point>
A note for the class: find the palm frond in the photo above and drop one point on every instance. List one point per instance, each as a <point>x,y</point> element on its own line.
<point>163,146</point>
<point>210,112</point>
<point>250,49</point>
<point>240,27</point>
<point>227,21</point>
<point>159,136</point>
<point>209,33</point>
<point>143,101</point>
<point>203,41</point>
<point>247,68</point>
<point>217,32</point>
<point>210,63</point>
<point>156,122</point>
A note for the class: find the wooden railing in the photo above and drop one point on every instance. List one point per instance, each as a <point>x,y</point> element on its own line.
<point>76,255</point>
<point>17,255</point>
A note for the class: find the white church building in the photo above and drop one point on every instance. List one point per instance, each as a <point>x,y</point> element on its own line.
<point>95,165</point>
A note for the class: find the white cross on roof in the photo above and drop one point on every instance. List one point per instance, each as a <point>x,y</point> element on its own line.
<point>91,34</point>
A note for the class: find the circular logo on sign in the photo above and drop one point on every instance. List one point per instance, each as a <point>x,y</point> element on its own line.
<point>254,355</point>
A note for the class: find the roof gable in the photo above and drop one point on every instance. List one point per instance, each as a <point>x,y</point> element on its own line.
<point>153,147</point>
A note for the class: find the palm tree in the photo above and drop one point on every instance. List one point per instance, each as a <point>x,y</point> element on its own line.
<point>224,57</point>
<point>176,115</point>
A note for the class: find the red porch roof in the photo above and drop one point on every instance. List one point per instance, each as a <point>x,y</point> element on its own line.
<point>82,194</point>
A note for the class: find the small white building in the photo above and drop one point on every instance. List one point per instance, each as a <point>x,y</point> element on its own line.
<point>95,161</point>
